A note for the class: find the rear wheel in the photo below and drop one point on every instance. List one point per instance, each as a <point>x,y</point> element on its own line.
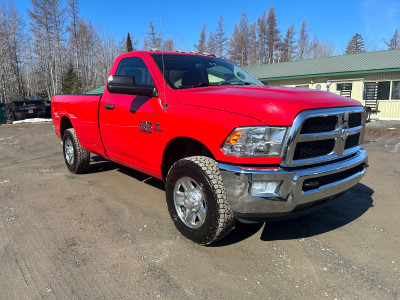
<point>196,200</point>
<point>76,158</point>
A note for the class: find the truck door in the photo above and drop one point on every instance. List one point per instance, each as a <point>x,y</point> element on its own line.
<point>127,122</point>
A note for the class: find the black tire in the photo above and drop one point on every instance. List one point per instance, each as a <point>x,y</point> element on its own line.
<point>18,116</point>
<point>76,158</point>
<point>368,112</point>
<point>205,178</point>
<point>41,114</point>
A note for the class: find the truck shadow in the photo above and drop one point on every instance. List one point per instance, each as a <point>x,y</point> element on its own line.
<point>99,164</point>
<point>344,210</point>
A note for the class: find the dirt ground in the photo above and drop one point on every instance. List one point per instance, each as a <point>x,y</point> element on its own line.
<point>107,234</point>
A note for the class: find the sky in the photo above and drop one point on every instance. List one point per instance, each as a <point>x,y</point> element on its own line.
<point>333,21</point>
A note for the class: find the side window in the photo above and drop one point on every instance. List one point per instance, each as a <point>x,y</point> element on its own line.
<point>135,66</point>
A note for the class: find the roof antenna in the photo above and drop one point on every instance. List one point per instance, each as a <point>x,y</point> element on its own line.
<point>163,70</point>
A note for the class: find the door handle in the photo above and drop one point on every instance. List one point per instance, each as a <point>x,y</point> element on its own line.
<point>109,106</point>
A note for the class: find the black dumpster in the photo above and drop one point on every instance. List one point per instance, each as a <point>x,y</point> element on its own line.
<point>3,119</point>
<point>29,109</point>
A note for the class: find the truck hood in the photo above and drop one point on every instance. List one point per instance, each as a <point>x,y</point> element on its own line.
<point>271,105</point>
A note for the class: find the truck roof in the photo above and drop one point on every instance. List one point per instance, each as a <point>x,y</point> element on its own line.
<point>179,52</point>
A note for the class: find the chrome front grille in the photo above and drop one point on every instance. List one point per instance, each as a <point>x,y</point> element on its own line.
<point>324,134</point>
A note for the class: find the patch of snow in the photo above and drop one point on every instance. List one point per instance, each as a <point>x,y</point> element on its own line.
<point>34,120</point>
<point>388,119</point>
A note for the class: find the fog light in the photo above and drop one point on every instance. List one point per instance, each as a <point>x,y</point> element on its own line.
<point>264,187</point>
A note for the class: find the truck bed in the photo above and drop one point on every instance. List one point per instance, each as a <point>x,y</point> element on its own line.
<point>82,111</point>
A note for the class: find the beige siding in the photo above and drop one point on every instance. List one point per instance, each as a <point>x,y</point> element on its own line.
<point>390,109</point>
<point>387,108</point>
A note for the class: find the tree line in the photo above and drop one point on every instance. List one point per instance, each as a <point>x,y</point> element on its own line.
<point>62,52</point>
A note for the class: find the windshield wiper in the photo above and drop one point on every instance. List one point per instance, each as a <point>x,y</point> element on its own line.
<point>241,83</point>
<point>238,83</point>
<point>194,85</point>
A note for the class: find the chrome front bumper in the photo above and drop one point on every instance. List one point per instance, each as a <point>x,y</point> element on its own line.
<point>291,194</point>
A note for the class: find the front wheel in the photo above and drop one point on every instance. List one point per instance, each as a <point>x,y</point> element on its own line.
<point>76,158</point>
<point>197,201</point>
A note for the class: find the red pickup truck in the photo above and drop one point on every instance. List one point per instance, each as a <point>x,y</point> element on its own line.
<point>227,147</point>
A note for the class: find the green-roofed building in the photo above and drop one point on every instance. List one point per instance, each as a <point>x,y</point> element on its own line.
<point>373,78</point>
<point>99,90</point>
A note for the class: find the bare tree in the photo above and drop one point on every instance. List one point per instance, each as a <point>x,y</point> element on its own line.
<point>212,43</point>
<point>253,45</point>
<point>262,38</point>
<point>48,19</point>
<point>201,46</point>
<point>320,49</point>
<point>73,11</point>
<point>108,50</point>
<point>394,42</point>
<point>169,45</point>
<point>153,38</point>
<point>239,42</point>
<point>89,50</point>
<point>303,41</point>
<point>220,38</point>
<point>12,40</point>
<point>273,35</point>
<point>288,46</point>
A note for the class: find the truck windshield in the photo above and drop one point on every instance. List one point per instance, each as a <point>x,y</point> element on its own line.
<point>189,71</point>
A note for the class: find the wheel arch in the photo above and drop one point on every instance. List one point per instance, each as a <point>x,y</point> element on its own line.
<point>182,147</point>
<point>65,123</point>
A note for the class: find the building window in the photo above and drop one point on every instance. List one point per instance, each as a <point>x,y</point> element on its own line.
<point>377,90</point>
<point>383,90</point>
<point>396,90</point>
<point>344,86</point>
<point>344,89</point>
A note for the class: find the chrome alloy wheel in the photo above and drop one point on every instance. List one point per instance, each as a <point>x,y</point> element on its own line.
<point>189,202</point>
<point>69,151</point>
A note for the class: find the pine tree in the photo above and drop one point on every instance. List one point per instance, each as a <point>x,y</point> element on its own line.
<point>201,46</point>
<point>355,45</point>
<point>394,41</point>
<point>303,41</point>
<point>71,83</point>
<point>273,37</point>
<point>129,47</point>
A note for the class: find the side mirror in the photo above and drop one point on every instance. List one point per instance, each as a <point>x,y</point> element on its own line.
<point>123,84</point>
<point>264,82</point>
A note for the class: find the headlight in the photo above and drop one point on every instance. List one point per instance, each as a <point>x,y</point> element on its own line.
<point>255,141</point>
